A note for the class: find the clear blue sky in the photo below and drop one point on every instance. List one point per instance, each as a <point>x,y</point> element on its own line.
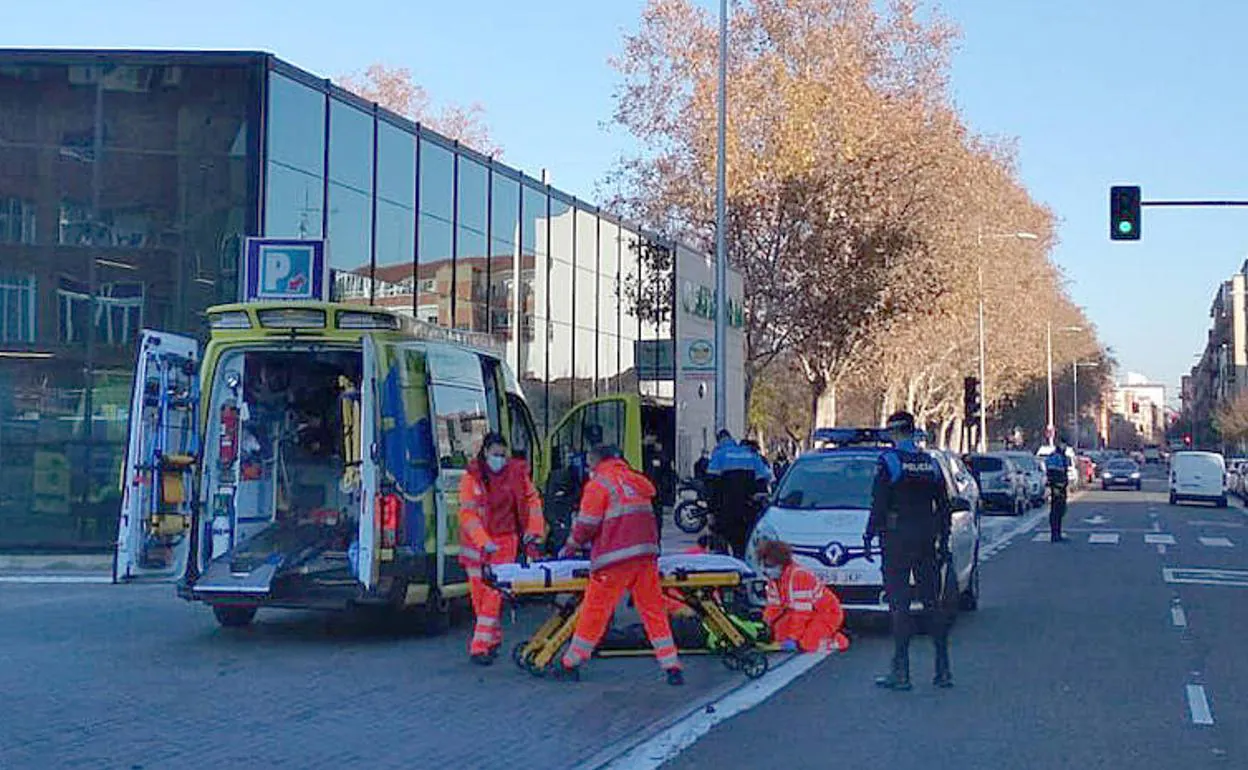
<point>1097,92</point>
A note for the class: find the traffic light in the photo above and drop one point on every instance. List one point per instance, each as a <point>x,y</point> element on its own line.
<point>1124,213</point>
<point>971,398</point>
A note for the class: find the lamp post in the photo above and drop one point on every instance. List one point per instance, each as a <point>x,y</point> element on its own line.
<point>1074,368</point>
<point>721,256</point>
<point>1050,431</point>
<point>980,237</point>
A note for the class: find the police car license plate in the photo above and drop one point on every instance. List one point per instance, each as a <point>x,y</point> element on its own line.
<point>841,576</point>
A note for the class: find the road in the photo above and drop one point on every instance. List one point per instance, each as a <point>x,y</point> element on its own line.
<point>1082,656</point>
<point>1073,661</point>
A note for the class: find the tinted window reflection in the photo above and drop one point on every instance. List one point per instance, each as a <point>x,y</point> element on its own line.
<point>296,125</point>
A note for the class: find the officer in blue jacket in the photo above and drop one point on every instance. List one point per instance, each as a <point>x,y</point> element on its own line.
<point>910,514</point>
<point>735,474</point>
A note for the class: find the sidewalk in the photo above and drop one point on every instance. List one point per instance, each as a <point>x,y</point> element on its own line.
<point>56,568</point>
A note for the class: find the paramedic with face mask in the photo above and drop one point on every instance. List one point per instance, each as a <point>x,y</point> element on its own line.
<point>616,521</point>
<point>499,511</point>
<point>802,612</point>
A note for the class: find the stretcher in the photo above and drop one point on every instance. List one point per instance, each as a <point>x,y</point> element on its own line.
<point>697,580</point>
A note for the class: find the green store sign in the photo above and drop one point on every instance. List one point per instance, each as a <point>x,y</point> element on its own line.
<point>699,301</point>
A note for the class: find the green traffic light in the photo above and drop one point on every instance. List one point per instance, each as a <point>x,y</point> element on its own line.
<point>1124,227</point>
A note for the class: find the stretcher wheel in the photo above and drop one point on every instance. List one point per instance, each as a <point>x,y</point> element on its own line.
<point>732,661</point>
<point>753,663</point>
<point>534,669</point>
<point>519,656</point>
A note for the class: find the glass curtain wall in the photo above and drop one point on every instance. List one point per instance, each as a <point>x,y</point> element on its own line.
<point>123,200</point>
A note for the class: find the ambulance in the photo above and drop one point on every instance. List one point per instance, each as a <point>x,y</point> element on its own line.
<point>309,457</point>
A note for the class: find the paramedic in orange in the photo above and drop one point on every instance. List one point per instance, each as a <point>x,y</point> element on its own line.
<point>802,612</point>
<point>616,521</point>
<point>499,511</point>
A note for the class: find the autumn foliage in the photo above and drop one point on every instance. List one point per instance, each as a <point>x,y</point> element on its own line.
<point>861,206</point>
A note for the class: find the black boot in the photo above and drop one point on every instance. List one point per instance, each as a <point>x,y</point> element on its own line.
<point>899,677</point>
<point>943,678</point>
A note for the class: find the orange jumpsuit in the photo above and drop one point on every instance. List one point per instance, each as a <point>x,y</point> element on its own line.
<point>500,512</point>
<point>617,517</point>
<point>801,608</point>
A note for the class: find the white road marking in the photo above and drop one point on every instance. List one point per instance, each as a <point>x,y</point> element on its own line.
<point>1178,617</point>
<point>1204,523</point>
<point>1161,549</point>
<point>1041,537</point>
<point>1156,526</point>
<point>1198,705</point>
<point>1208,577</point>
<point>1104,538</point>
<point>662,747</point>
<point>1159,539</point>
<point>1216,542</point>
<point>56,579</point>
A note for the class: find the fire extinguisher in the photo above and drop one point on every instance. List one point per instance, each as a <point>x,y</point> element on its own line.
<point>228,448</point>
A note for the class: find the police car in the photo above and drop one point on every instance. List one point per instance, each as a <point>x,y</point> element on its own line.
<point>821,509</point>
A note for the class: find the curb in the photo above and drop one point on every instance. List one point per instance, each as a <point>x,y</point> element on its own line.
<point>58,563</point>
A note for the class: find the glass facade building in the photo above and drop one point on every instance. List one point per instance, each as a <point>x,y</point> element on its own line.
<point>127,183</point>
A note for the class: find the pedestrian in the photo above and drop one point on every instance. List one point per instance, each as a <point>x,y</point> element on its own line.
<point>616,522</point>
<point>736,474</point>
<point>911,515</point>
<point>801,611</point>
<point>499,512</point>
<point>1057,470</point>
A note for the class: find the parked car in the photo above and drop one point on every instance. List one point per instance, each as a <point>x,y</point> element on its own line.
<point>1001,483</point>
<point>1198,476</point>
<point>821,509</point>
<point>963,480</point>
<point>1035,476</point>
<point>1120,473</point>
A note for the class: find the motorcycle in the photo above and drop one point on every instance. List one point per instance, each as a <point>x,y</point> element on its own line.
<point>692,513</point>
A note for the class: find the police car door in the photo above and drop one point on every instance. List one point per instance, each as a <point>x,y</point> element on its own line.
<point>155,529</point>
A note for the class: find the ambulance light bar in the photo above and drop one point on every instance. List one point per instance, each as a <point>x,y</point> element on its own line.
<point>358,319</point>
<point>291,318</point>
<point>233,319</point>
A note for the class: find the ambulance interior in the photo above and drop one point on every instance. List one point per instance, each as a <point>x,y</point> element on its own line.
<point>283,461</point>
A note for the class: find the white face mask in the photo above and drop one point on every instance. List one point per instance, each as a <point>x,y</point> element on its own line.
<point>495,462</point>
<point>773,572</point>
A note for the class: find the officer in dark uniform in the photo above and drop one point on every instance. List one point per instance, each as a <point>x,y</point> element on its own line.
<point>910,513</point>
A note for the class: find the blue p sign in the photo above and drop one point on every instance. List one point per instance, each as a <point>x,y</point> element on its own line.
<point>285,269</point>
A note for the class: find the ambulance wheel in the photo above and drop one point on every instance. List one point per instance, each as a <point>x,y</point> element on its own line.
<point>753,663</point>
<point>732,661</point>
<point>233,616</point>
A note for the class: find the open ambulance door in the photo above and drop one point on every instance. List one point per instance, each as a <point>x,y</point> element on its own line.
<point>370,476</point>
<point>155,531</point>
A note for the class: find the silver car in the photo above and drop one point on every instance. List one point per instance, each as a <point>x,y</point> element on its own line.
<point>1002,485</point>
<point>1034,474</point>
<point>821,509</point>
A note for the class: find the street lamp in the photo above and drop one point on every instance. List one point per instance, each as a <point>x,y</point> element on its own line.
<point>982,444</point>
<point>1050,431</point>
<point>1074,368</point>
<point>721,255</point>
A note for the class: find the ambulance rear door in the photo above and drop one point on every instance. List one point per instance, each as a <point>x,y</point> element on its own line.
<point>155,530</point>
<point>369,531</point>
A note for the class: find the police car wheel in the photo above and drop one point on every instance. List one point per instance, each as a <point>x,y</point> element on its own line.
<point>969,599</point>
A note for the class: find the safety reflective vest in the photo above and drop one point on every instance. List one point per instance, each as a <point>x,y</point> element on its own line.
<point>797,590</point>
<point>508,507</point>
<point>616,516</point>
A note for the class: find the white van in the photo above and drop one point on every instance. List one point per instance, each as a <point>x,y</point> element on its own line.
<point>1198,476</point>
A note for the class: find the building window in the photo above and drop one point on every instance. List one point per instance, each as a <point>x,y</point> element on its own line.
<point>429,285</point>
<point>427,313</point>
<point>118,314</point>
<point>17,221</point>
<point>17,308</point>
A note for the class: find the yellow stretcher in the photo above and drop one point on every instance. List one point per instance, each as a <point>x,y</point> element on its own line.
<point>698,580</point>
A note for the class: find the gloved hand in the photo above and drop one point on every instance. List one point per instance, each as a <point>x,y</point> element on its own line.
<point>788,645</point>
<point>490,548</point>
<point>532,551</point>
<point>866,546</point>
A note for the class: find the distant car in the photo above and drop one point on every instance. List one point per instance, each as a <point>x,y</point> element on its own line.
<point>1120,473</point>
<point>1035,475</point>
<point>821,509</point>
<point>1152,454</point>
<point>1198,476</point>
<point>1001,483</point>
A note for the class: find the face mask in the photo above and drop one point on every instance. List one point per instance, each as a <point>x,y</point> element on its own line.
<point>495,462</point>
<point>773,572</point>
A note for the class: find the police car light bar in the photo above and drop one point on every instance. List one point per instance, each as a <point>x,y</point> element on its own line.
<point>852,436</point>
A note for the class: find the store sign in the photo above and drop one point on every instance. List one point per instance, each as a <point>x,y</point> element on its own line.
<point>699,302</point>
<point>699,356</point>
<point>284,269</point>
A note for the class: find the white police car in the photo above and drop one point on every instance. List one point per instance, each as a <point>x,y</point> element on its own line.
<point>821,510</point>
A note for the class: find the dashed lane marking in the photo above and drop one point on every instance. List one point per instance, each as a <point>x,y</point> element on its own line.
<point>1159,539</point>
<point>1206,523</point>
<point>1161,549</point>
<point>1198,705</point>
<point>1104,538</point>
<point>1207,577</point>
<point>1178,617</point>
<point>1216,542</point>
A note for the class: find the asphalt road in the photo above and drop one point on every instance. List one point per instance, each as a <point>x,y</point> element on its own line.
<point>1081,656</point>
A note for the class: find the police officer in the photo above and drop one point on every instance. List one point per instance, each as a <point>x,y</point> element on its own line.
<point>736,473</point>
<point>910,514</point>
<point>1057,469</point>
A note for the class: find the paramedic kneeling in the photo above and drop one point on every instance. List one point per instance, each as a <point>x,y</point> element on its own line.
<point>498,506</point>
<point>801,611</point>
<point>616,520</point>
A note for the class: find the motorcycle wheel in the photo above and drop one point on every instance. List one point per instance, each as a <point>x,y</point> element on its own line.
<point>690,517</point>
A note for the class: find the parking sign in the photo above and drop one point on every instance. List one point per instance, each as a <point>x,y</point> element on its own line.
<point>285,269</point>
